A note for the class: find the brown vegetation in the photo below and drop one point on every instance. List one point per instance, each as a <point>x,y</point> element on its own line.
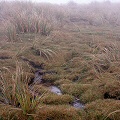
<point>79,48</point>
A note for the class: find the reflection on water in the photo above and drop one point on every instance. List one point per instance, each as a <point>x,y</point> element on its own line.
<point>77,104</point>
<point>56,90</point>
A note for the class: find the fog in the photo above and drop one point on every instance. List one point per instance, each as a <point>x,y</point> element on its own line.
<point>66,1</point>
<point>77,1</point>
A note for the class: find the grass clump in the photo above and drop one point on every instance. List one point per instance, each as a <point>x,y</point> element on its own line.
<point>11,32</point>
<point>40,89</point>
<point>9,112</point>
<point>63,81</point>
<point>102,109</point>
<point>15,92</point>
<point>74,89</point>
<point>50,78</point>
<point>91,94</point>
<point>106,87</point>
<point>57,112</point>
<point>54,99</point>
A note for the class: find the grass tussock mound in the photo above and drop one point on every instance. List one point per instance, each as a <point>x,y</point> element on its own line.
<point>57,113</point>
<point>9,112</point>
<point>107,87</point>
<point>74,89</point>
<point>103,110</point>
<point>57,99</point>
<point>63,81</point>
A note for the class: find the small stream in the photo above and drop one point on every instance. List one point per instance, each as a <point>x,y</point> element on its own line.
<point>76,103</point>
<point>55,90</point>
<point>38,79</point>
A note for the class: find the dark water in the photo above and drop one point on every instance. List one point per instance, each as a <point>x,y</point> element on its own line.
<point>77,104</point>
<point>38,77</point>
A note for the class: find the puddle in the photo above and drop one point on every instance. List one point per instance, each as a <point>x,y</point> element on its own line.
<point>55,90</point>
<point>77,104</point>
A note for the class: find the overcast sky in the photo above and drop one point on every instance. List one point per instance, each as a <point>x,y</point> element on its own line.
<point>77,1</point>
<point>65,1</point>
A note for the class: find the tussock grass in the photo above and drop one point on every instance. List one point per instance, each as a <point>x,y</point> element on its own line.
<point>102,110</point>
<point>40,89</point>
<point>49,78</point>
<point>11,32</point>
<point>91,95</point>
<point>9,112</point>
<point>15,92</point>
<point>74,89</point>
<point>80,44</point>
<point>63,81</point>
<point>59,112</point>
<point>53,99</point>
<point>105,87</point>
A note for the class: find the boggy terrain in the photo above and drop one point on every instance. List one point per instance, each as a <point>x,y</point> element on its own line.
<point>75,48</point>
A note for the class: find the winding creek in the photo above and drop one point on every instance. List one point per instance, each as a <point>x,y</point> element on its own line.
<point>38,79</point>
<point>76,103</point>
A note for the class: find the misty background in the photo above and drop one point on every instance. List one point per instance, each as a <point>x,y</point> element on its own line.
<point>66,1</point>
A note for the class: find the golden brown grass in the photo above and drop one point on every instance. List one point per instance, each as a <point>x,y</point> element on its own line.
<point>15,92</point>
<point>103,109</point>
<point>59,112</point>
<point>63,81</point>
<point>74,89</point>
<point>79,43</point>
<point>54,99</point>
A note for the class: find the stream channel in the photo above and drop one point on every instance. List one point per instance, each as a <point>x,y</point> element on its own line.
<point>38,79</point>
